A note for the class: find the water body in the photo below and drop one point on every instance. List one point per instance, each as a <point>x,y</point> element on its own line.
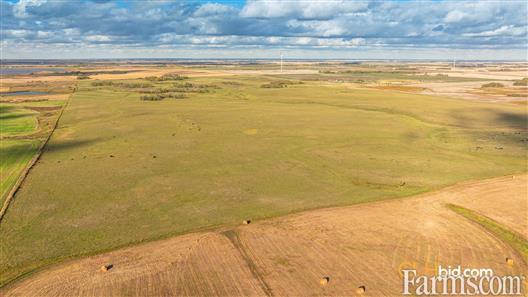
<point>23,93</point>
<point>23,71</point>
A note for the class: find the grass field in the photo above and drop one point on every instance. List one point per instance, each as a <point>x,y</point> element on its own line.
<point>14,155</point>
<point>23,127</point>
<point>120,170</point>
<point>16,120</point>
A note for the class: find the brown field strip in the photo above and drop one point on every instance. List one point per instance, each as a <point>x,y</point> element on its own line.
<point>364,245</point>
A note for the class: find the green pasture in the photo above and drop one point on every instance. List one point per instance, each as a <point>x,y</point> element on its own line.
<point>16,120</point>
<point>14,155</point>
<point>119,170</point>
<point>19,141</point>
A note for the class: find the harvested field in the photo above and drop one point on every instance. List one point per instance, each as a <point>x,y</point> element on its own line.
<point>472,91</point>
<point>359,246</point>
<point>269,72</point>
<point>509,209</point>
<point>475,73</point>
<point>143,72</point>
<point>24,79</point>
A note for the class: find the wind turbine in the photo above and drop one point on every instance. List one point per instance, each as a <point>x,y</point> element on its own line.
<point>281,60</point>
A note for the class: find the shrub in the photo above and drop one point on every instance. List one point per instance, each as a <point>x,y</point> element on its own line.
<point>152,97</point>
<point>274,85</point>
<point>280,84</point>
<point>166,77</point>
<point>158,97</point>
<point>521,82</point>
<point>101,83</point>
<point>134,85</point>
<point>493,85</point>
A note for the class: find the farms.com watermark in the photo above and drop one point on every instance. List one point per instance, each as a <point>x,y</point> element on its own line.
<point>461,281</point>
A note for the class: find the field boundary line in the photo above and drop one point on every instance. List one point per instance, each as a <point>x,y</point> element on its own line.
<point>515,240</point>
<point>221,228</point>
<point>10,196</point>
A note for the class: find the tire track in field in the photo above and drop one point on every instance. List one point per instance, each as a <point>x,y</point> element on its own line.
<point>233,237</point>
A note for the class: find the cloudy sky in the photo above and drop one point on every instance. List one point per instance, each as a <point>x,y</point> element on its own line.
<point>261,29</point>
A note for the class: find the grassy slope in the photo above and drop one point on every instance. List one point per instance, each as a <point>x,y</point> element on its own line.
<point>15,120</point>
<point>242,152</point>
<point>14,155</point>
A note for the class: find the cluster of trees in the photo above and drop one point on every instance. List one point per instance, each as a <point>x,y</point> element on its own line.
<point>280,84</point>
<point>130,85</point>
<point>180,87</point>
<point>493,85</point>
<point>194,88</point>
<point>521,82</point>
<point>159,97</point>
<point>167,77</point>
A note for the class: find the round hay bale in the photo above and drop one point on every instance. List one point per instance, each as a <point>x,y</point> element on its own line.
<point>361,289</point>
<point>106,267</point>
<point>324,280</point>
<point>246,222</point>
<point>509,261</point>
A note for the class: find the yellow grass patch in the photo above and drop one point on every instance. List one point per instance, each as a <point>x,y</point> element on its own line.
<point>251,131</point>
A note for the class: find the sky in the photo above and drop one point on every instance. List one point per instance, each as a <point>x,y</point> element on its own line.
<point>326,29</point>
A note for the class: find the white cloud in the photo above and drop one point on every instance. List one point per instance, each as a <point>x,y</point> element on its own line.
<point>19,10</point>
<point>300,9</point>
<point>17,33</point>
<point>273,24</point>
<point>503,30</point>
<point>98,38</point>
<point>455,16</point>
<point>44,34</point>
<point>209,9</point>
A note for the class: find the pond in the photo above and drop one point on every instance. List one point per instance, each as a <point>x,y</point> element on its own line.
<point>22,71</point>
<point>23,93</point>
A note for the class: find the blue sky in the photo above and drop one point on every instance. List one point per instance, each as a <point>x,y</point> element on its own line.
<point>260,29</point>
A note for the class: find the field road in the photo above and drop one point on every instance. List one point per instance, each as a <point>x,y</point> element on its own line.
<point>363,245</point>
